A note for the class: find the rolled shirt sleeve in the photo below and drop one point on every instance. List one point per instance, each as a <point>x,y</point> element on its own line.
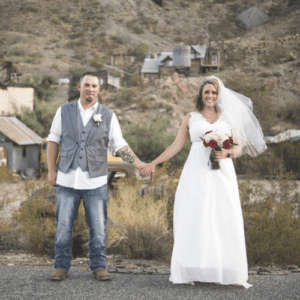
<point>116,139</point>
<point>55,134</point>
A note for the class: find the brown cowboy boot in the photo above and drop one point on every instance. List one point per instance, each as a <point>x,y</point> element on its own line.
<point>59,275</point>
<point>102,275</point>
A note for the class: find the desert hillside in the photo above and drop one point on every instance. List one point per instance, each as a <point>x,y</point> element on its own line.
<point>59,38</point>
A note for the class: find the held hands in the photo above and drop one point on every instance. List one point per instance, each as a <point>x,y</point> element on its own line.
<point>147,170</point>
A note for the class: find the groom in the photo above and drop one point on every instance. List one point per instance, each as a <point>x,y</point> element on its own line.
<point>83,130</point>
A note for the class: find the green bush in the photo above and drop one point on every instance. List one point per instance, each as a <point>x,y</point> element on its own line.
<point>149,140</point>
<point>76,71</point>
<point>278,159</point>
<point>291,114</point>
<point>43,88</point>
<point>141,50</point>
<point>29,118</point>
<point>288,153</point>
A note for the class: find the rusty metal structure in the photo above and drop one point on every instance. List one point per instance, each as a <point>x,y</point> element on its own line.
<point>9,76</point>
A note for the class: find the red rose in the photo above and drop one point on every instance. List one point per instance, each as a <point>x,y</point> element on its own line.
<point>226,145</point>
<point>230,140</point>
<point>208,132</point>
<point>212,144</point>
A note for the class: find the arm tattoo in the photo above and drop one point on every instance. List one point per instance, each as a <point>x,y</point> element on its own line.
<point>127,156</point>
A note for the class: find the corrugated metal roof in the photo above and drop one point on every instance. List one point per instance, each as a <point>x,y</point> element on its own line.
<point>150,66</point>
<point>165,55</point>
<point>18,132</point>
<point>289,135</point>
<point>201,50</point>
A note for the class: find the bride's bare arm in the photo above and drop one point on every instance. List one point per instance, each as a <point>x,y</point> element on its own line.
<point>173,149</point>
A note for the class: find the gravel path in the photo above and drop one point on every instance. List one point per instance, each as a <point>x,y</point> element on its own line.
<point>22,283</point>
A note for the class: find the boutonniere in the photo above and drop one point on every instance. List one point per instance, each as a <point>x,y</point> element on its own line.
<point>97,118</point>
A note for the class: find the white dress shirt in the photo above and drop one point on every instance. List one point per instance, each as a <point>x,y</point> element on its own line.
<point>78,179</point>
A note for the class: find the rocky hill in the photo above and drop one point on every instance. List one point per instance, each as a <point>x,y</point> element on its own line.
<point>59,38</point>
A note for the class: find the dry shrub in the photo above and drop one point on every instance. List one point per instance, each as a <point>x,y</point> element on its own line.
<point>137,225</point>
<point>6,175</point>
<point>291,114</point>
<point>36,218</point>
<point>272,223</point>
<point>10,236</point>
<point>277,160</point>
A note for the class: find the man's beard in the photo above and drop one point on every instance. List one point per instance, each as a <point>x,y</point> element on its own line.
<point>89,99</point>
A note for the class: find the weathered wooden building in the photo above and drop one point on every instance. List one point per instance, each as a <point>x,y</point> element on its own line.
<point>188,60</point>
<point>206,58</point>
<point>150,69</point>
<point>122,59</point>
<point>21,144</point>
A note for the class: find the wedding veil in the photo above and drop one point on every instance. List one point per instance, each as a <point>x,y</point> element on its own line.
<point>246,130</point>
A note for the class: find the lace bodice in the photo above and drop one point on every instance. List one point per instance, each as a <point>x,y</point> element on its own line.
<point>198,126</point>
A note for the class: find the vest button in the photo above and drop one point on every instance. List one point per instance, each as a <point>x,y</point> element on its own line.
<point>83,131</point>
<point>80,157</point>
<point>82,140</point>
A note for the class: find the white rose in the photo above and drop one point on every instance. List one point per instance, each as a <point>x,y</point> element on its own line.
<point>97,118</point>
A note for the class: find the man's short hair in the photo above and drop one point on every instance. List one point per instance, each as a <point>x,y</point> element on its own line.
<point>88,73</point>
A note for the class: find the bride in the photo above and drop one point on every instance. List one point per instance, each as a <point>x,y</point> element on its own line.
<point>209,241</point>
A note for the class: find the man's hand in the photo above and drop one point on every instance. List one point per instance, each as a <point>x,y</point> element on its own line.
<point>147,170</point>
<point>52,177</point>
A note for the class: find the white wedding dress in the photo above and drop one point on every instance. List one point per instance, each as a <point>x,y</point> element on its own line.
<point>209,242</point>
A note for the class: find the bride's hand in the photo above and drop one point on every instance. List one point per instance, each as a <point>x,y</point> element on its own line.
<point>147,169</point>
<point>221,154</point>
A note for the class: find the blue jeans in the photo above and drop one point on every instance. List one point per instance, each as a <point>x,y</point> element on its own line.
<point>94,201</point>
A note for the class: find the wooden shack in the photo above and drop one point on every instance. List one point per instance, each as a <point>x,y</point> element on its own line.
<point>122,59</point>
<point>206,58</point>
<point>150,69</point>
<point>21,144</point>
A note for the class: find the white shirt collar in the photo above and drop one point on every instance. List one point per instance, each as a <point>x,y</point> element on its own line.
<point>94,107</point>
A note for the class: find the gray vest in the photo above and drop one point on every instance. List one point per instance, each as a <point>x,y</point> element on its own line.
<point>84,146</point>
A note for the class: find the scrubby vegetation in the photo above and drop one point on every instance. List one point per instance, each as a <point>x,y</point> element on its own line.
<point>140,219</point>
<point>272,222</point>
<point>5,175</point>
<point>260,94</point>
<point>278,159</point>
<point>149,140</point>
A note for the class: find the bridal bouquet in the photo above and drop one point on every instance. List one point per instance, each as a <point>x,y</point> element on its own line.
<point>216,141</point>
